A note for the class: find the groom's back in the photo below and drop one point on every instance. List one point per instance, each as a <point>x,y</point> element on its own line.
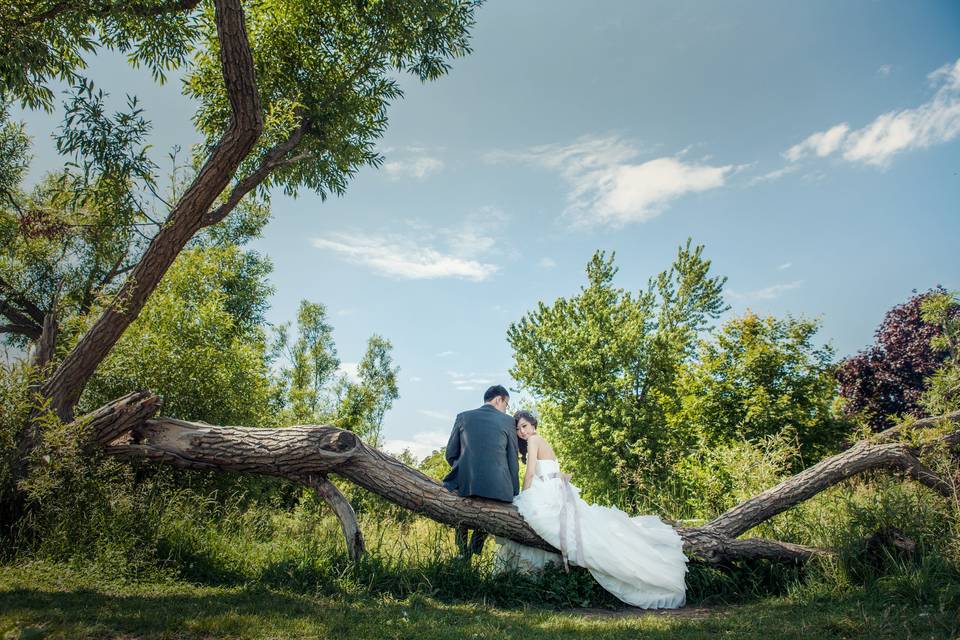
<point>480,451</point>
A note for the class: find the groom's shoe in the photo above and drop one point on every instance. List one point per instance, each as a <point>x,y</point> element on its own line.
<point>476,542</point>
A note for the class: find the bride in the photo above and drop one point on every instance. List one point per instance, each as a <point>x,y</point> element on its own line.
<point>640,560</point>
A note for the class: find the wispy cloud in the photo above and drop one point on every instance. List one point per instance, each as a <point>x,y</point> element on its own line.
<point>934,122</point>
<point>411,162</point>
<point>785,265</point>
<point>820,144</point>
<point>404,257</point>
<point>773,175</point>
<point>767,293</point>
<point>885,70</point>
<point>420,445</point>
<point>609,186</point>
<point>446,354</point>
<point>470,381</point>
<point>437,415</point>
<point>547,263</point>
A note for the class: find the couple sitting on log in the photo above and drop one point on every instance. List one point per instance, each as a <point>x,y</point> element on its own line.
<point>638,559</point>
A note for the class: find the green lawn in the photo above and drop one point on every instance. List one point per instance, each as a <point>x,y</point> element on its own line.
<point>53,601</point>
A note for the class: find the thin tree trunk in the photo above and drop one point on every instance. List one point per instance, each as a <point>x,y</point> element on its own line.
<point>302,453</point>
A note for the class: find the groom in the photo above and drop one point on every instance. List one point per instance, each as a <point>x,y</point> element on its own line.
<point>482,452</point>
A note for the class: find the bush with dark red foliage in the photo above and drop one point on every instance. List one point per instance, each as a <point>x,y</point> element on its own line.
<point>888,378</point>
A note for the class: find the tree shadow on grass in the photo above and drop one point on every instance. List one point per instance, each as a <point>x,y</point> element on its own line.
<point>183,611</point>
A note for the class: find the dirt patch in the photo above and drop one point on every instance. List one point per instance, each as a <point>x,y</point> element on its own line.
<point>633,612</point>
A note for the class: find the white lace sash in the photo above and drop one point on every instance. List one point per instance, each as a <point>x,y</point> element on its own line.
<point>569,504</point>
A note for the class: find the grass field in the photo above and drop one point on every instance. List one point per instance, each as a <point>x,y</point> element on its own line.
<point>45,600</point>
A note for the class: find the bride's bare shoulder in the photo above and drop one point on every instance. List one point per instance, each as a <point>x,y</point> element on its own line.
<point>541,444</point>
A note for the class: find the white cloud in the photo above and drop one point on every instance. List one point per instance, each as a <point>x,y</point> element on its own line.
<point>415,379</point>
<point>420,445</point>
<point>438,415</point>
<point>547,263</point>
<point>773,175</point>
<point>767,293</point>
<point>785,265</point>
<point>885,70</point>
<point>607,188</point>
<point>820,144</point>
<point>934,122</point>
<point>411,162</point>
<point>470,381</point>
<point>349,369</point>
<point>446,354</point>
<point>403,257</point>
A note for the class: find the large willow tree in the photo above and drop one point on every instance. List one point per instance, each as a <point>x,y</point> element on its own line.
<point>292,94</point>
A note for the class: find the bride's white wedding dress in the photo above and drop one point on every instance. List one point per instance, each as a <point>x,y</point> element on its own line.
<point>640,560</point>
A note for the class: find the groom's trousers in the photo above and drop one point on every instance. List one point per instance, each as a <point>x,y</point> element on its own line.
<point>475,543</point>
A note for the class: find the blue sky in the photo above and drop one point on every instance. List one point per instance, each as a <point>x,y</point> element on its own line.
<point>813,147</point>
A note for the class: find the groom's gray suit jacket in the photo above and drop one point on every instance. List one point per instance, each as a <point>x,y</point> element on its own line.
<point>483,453</point>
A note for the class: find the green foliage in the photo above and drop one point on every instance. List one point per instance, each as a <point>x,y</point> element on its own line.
<point>312,361</point>
<point>603,364</point>
<point>942,393</point>
<point>45,41</point>
<point>331,65</point>
<point>187,346</point>
<point>363,405</point>
<point>16,402</point>
<point>435,465</point>
<point>756,378</point>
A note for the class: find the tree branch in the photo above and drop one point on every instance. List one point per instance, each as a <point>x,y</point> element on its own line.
<point>273,159</point>
<point>304,453</point>
<point>341,507</point>
<point>863,456</point>
<point>922,423</point>
<point>246,123</point>
<point>14,297</point>
<point>276,157</point>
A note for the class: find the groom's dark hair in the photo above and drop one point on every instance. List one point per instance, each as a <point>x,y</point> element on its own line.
<point>496,391</point>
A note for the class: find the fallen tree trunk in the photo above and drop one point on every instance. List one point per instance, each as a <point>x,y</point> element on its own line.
<point>307,454</point>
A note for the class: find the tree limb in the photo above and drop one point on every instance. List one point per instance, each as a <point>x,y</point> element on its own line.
<point>341,507</point>
<point>922,423</point>
<point>302,453</point>
<point>246,123</point>
<point>11,299</point>
<point>863,456</point>
<point>272,160</point>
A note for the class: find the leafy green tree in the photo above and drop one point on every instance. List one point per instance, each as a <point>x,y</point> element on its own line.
<point>435,465</point>
<point>283,102</point>
<point>291,93</point>
<point>363,404</point>
<point>942,395</point>
<point>603,365</point>
<point>188,347</point>
<point>756,378</point>
<point>312,361</point>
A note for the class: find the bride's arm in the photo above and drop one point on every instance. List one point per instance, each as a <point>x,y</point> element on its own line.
<point>532,451</point>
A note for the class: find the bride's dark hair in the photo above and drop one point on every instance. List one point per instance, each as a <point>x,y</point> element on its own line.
<point>521,443</point>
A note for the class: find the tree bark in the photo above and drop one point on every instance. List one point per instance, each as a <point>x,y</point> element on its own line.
<point>341,507</point>
<point>863,456</point>
<point>305,453</point>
